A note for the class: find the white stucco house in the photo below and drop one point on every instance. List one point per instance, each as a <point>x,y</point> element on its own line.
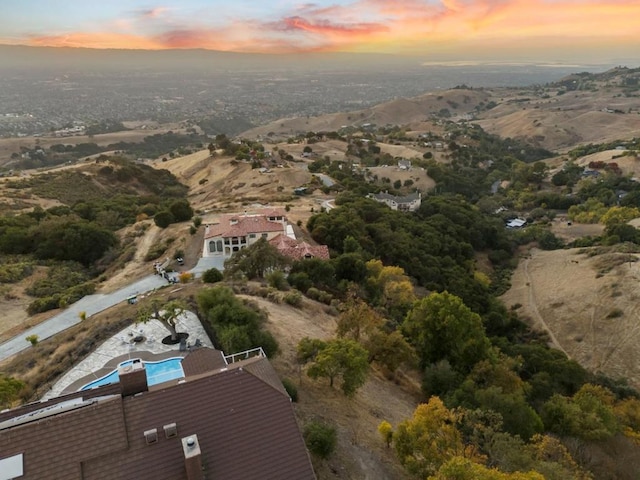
<point>233,232</point>
<point>407,203</point>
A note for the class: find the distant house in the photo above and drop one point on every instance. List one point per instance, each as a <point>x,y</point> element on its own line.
<point>296,250</point>
<point>233,232</point>
<point>516,223</point>
<point>223,420</point>
<point>404,164</point>
<point>408,203</point>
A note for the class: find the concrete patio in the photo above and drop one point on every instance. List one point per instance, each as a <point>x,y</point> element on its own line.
<point>142,340</point>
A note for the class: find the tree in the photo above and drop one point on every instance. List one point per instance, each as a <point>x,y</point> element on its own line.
<point>10,389</point>
<point>441,326</point>
<point>357,321</point>
<point>181,210</point>
<point>167,314</point>
<point>255,261</point>
<point>460,468</point>
<point>386,432</point>
<point>344,359</point>
<point>589,415</point>
<point>429,439</point>
<point>163,218</point>
<point>321,439</point>
<point>213,275</point>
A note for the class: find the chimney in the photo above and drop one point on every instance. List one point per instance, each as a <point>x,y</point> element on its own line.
<point>192,457</point>
<point>133,378</point>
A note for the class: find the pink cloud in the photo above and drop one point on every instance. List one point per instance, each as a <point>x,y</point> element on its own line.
<point>378,25</point>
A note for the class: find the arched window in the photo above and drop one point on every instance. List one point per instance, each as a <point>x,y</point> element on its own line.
<point>219,245</point>
<point>212,246</point>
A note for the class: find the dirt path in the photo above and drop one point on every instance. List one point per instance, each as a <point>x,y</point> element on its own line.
<point>533,304</point>
<point>588,303</point>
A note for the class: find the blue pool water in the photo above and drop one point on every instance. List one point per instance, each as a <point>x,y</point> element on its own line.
<point>157,372</point>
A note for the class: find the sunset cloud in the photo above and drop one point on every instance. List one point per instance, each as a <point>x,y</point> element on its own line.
<point>398,26</point>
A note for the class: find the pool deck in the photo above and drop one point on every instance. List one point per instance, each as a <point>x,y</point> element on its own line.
<point>121,347</point>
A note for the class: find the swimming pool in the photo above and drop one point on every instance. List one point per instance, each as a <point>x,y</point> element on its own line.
<point>157,372</point>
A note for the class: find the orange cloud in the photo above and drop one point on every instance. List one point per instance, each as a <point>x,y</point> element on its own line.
<point>411,26</point>
<point>95,40</point>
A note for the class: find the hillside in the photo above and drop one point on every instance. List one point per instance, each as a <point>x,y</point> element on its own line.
<point>583,300</point>
<point>578,109</point>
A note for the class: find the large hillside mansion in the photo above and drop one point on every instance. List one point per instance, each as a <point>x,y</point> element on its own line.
<point>234,232</point>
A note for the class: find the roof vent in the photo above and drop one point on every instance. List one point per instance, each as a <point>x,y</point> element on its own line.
<point>151,436</point>
<point>170,430</point>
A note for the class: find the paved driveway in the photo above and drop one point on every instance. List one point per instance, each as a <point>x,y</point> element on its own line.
<point>92,304</point>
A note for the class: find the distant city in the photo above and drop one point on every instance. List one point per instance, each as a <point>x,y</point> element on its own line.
<point>41,100</point>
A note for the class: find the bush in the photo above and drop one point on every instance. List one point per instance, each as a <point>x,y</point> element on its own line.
<point>213,275</point>
<point>293,298</point>
<point>319,295</point>
<point>300,280</point>
<point>276,279</point>
<point>33,339</point>
<point>163,219</point>
<point>291,389</point>
<point>185,277</point>
<point>155,252</point>
<point>320,438</point>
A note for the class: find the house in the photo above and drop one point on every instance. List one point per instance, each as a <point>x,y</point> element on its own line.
<point>516,223</point>
<point>404,164</point>
<point>223,420</point>
<point>291,248</point>
<point>233,232</point>
<point>409,203</point>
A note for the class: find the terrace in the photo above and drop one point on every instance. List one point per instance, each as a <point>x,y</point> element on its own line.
<point>139,341</point>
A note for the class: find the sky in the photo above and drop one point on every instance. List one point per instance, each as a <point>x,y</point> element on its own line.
<point>544,30</point>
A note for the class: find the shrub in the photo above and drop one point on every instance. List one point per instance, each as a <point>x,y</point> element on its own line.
<point>319,295</point>
<point>293,298</point>
<point>14,272</point>
<point>155,252</point>
<point>300,280</point>
<point>213,275</point>
<point>185,277</point>
<point>291,389</point>
<point>33,339</point>
<point>320,438</point>
<point>163,219</point>
<point>276,279</point>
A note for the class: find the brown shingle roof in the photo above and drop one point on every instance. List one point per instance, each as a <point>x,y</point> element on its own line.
<point>244,225</point>
<point>298,250</point>
<point>246,429</point>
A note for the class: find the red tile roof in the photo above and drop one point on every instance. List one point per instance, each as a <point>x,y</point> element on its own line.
<point>240,226</point>
<point>245,427</point>
<point>299,250</point>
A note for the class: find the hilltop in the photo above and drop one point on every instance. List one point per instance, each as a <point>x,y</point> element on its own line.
<point>581,108</point>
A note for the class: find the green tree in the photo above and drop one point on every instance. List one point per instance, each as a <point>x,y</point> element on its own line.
<point>441,327</point>
<point>213,275</point>
<point>320,438</point>
<point>589,415</point>
<point>181,210</point>
<point>255,261</point>
<point>10,390</point>
<point>163,218</point>
<point>167,314</point>
<point>341,359</point>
